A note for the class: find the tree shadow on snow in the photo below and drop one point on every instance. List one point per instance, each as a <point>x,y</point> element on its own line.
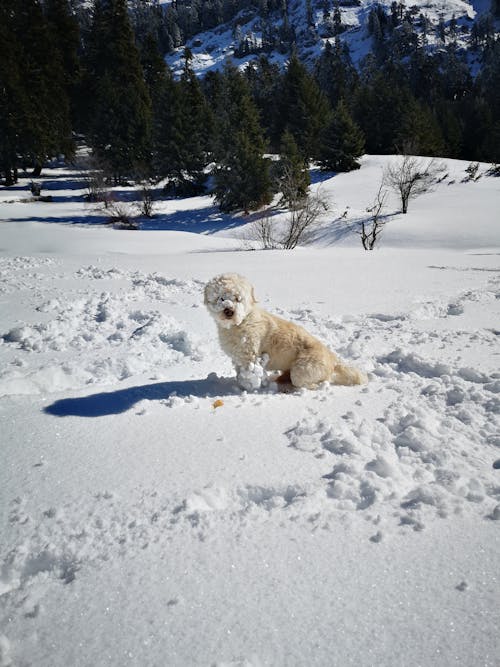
<point>342,228</point>
<point>117,402</point>
<point>202,220</point>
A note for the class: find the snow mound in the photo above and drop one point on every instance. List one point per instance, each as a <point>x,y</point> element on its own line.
<point>101,337</point>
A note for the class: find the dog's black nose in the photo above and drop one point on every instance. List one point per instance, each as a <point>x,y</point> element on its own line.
<point>228,312</point>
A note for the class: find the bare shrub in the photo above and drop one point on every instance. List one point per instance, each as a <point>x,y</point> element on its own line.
<point>301,221</point>
<point>96,182</point>
<point>121,215</point>
<point>293,184</point>
<point>370,232</point>
<point>262,231</point>
<point>303,217</point>
<point>35,188</point>
<point>411,176</point>
<point>146,204</point>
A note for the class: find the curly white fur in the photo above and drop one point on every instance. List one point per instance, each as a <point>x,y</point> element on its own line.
<point>248,333</point>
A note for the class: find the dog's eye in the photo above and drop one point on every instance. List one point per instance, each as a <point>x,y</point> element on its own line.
<point>238,299</point>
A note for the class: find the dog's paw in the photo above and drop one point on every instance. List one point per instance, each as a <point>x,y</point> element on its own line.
<point>251,377</point>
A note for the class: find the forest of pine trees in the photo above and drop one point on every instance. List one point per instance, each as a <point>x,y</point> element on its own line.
<point>99,75</point>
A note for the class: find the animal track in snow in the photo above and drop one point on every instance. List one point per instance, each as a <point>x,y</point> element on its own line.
<point>431,453</point>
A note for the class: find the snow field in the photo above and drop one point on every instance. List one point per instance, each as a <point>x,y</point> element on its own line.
<point>153,513</point>
<point>426,454</point>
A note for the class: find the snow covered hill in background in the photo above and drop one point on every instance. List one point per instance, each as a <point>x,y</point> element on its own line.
<point>142,525</point>
<point>212,48</point>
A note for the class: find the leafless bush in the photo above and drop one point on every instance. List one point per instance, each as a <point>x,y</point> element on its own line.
<point>303,217</point>
<point>293,184</point>
<point>146,204</point>
<point>35,188</point>
<point>121,215</point>
<point>263,233</point>
<point>300,223</point>
<point>370,232</point>
<point>411,176</point>
<point>96,183</point>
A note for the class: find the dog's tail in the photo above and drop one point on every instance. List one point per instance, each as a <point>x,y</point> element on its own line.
<point>347,375</point>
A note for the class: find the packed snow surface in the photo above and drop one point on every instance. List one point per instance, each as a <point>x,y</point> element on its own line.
<point>153,513</point>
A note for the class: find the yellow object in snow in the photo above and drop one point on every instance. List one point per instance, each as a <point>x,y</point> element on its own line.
<point>218,403</point>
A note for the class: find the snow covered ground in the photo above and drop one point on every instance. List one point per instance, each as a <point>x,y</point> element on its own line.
<point>141,525</point>
<point>212,49</point>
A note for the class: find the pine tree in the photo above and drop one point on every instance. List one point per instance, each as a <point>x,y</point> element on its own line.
<point>155,71</point>
<point>302,108</point>
<point>337,19</point>
<point>182,123</point>
<point>441,30</point>
<point>34,108</point>
<point>119,114</point>
<point>12,97</point>
<point>294,179</point>
<point>263,79</point>
<point>165,107</point>
<point>489,79</point>
<point>341,142</point>
<point>63,26</point>
<point>335,72</point>
<point>420,129</point>
<point>451,125</point>
<point>379,109</point>
<point>242,179</point>
<point>196,128</point>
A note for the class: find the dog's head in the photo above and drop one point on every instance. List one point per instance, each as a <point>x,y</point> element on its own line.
<point>229,298</point>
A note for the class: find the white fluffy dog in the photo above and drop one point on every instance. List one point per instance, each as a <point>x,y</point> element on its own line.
<point>251,336</point>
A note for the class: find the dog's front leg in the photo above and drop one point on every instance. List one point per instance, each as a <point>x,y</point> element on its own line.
<point>251,376</point>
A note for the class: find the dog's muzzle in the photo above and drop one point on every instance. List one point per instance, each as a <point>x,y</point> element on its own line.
<point>228,312</point>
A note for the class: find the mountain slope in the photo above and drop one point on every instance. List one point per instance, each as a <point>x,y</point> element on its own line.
<point>308,24</point>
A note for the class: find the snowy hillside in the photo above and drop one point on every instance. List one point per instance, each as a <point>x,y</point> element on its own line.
<point>212,48</point>
<point>142,525</point>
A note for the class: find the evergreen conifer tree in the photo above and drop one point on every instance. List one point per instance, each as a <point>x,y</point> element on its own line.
<point>490,85</point>
<point>379,108</point>
<point>449,118</point>
<point>119,114</point>
<point>342,142</point>
<point>335,72</point>
<point>12,96</point>
<point>420,129</point>
<point>63,26</point>
<point>303,110</point>
<point>337,19</point>
<point>242,179</point>
<point>263,78</point>
<point>294,174</point>
<point>196,125</point>
<point>182,123</point>
<point>165,107</point>
<point>34,108</point>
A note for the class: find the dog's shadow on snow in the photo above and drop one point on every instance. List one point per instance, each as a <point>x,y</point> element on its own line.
<point>117,402</point>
